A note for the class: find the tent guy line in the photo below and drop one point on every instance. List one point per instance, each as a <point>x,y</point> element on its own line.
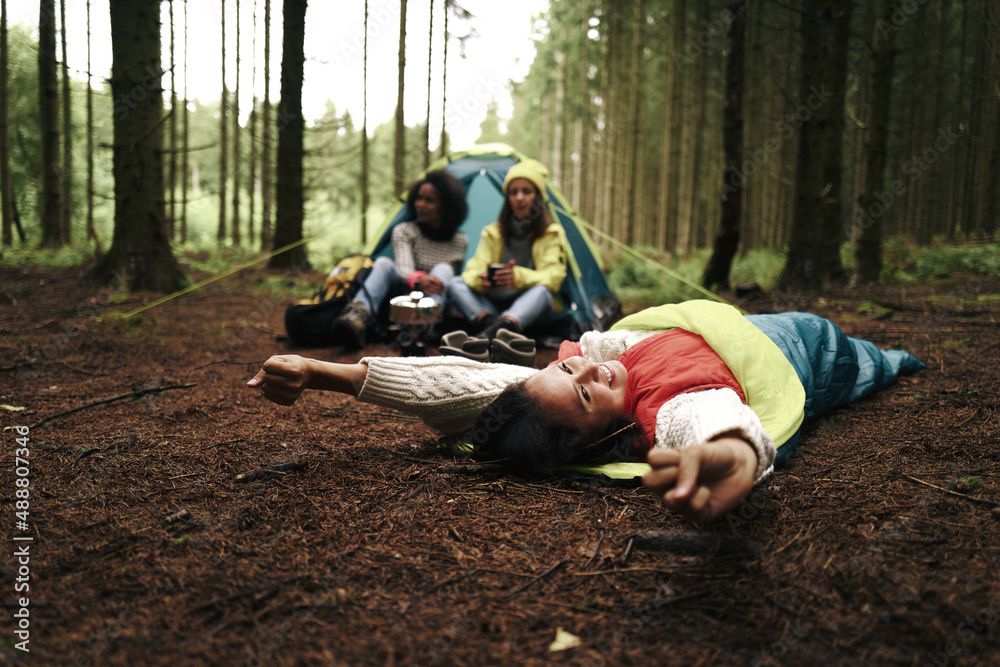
<point>224,274</point>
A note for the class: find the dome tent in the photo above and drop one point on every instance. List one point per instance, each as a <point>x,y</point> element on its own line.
<point>587,300</point>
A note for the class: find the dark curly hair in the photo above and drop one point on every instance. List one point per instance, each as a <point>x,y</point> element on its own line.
<point>454,207</point>
<point>515,430</point>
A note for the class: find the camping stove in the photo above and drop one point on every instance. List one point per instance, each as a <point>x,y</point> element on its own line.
<point>413,316</point>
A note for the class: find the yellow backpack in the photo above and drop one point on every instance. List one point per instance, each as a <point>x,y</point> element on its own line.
<point>309,322</point>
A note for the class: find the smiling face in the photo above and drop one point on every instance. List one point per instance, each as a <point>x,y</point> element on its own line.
<point>580,393</point>
<point>521,194</point>
<point>428,206</point>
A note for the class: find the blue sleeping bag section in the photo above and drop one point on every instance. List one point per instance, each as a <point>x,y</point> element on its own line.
<point>835,369</point>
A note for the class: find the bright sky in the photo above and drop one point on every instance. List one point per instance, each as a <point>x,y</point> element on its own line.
<point>501,50</point>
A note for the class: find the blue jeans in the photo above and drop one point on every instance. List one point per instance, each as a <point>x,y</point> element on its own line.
<point>385,282</point>
<point>528,307</point>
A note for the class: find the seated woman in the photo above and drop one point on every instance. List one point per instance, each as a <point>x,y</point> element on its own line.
<point>428,252</point>
<point>527,252</point>
<point>708,397</point>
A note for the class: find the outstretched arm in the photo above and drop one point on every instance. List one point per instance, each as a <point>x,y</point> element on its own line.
<point>446,393</point>
<point>710,450</point>
<point>702,482</point>
<point>283,378</point>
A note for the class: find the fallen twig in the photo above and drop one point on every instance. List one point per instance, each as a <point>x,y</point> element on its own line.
<point>686,542</point>
<point>87,452</point>
<point>226,442</point>
<point>538,578</point>
<point>597,551</point>
<point>796,538</point>
<point>132,394</point>
<point>474,469</point>
<point>14,367</point>
<point>274,469</point>
<point>243,594</point>
<point>988,503</point>
<point>648,608</point>
<point>450,580</point>
<point>628,551</point>
<point>238,362</point>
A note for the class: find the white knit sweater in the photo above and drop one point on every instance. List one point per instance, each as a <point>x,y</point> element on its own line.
<point>446,393</point>
<point>449,394</point>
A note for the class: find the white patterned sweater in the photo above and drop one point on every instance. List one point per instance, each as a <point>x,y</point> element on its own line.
<point>449,393</point>
<point>415,252</point>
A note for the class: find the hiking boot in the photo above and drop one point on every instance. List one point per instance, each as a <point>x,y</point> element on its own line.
<point>490,331</point>
<point>461,344</point>
<point>350,328</point>
<point>509,347</point>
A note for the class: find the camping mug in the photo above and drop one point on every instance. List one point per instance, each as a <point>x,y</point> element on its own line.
<point>492,269</point>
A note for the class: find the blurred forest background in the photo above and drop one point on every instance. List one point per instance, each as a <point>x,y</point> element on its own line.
<point>793,143</point>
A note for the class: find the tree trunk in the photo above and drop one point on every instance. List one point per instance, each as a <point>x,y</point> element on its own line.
<point>954,156</point>
<point>140,254</point>
<point>558,116</point>
<point>936,219</point>
<point>676,132</point>
<point>266,228</point>
<point>860,122</point>
<point>663,237</point>
<point>289,193</point>
<point>921,196</point>
<point>430,62</point>
<point>698,234</point>
<point>443,147</point>
<point>581,140</point>
<point>399,162</point>
<point>48,114</point>
<point>635,190</point>
<point>981,112</point>
<point>185,136</point>
<point>252,172</point>
<point>814,248</point>
<point>993,187</point>
<point>364,130</point>
<point>91,231</point>
<point>604,179</point>
<point>223,136</point>
<point>236,231</point>
<point>252,176</point>
<point>5,189</point>
<point>873,198</point>
<point>172,166</point>
<point>726,242</point>
<point>66,219</point>
<point>610,215</point>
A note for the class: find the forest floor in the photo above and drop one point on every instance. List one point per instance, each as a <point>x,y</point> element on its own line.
<point>160,538</point>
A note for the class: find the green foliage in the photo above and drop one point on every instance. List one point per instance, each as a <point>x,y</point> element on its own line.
<point>639,281</point>
<point>652,280</point>
<point>60,258</point>
<point>907,263</point>
<point>25,148</point>
<point>963,484</point>
<point>761,266</point>
<point>874,309</point>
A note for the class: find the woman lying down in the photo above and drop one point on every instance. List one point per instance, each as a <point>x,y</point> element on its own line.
<point>709,398</point>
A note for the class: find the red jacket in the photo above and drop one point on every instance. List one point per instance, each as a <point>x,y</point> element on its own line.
<point>663,366</point>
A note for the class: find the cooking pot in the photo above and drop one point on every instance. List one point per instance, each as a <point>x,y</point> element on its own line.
<point>414,308</point>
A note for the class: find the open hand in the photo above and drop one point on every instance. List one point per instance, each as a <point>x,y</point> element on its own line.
<point>704,481</point>
<point>282,378</point>
<point>429,284</point>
